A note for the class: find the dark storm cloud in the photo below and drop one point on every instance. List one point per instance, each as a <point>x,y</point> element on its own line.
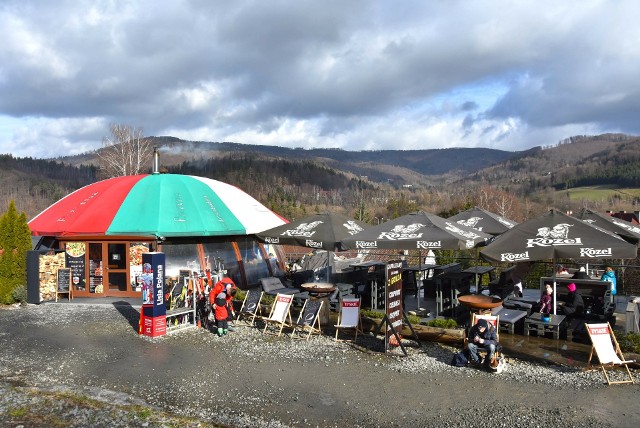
<point>355,74</point>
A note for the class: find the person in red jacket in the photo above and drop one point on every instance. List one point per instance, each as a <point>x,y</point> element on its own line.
<point>221,299</point>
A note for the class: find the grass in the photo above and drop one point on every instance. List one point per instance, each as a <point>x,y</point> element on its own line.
<point>49,408</point>
<point>600,193</point>
<point>630,342</point>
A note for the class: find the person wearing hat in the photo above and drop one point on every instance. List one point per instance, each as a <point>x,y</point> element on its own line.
<point>223,289</point>
<point>574,305</point>
<point>581,274</point>
<point>482,336</point>
<point>610,275</point>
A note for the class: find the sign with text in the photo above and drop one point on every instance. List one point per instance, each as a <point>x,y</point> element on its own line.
<point>152,279</point>
<point>75,259</point>
<point>393,299</point>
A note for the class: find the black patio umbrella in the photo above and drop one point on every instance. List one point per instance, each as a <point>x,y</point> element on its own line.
<point>483,220</point>
<point>417,231</point>
<point>324,231</point>
<point>556,235</point>
<point>627,230</point>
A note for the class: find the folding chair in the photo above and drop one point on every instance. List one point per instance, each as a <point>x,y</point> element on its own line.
<point>251,307</point>
<point>349,317</point>
<point>309,319</point>
<point>280,313</point>
<point>606,346</point>
<point>494,322</point>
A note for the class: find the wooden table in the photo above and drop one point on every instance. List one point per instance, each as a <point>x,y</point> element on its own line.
<point>535,323</point>
<point>414,270</point>
<point>479,271</point>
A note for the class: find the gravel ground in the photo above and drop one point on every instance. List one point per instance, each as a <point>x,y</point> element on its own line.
<point>82,365</point>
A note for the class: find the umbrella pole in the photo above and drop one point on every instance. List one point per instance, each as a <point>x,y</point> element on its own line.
<point>477,261</point>
<point>415,277</point>
<point>554,285</point>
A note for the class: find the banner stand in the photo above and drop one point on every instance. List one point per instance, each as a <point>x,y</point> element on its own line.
<point>394,314</point>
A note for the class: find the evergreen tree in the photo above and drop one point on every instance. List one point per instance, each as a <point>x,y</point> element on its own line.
<point>15,241</point>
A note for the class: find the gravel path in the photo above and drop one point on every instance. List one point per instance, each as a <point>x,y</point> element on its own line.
<point>85,365</point>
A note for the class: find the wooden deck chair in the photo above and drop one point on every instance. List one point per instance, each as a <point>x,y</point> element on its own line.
<point>308,321</point>
<point>349,317</point>
<point>606,347</point>
<point>494,321</point>
<point>280,314</point>
<point>251,307</point>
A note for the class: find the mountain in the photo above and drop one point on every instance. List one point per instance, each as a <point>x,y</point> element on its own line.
<point>291,180</point>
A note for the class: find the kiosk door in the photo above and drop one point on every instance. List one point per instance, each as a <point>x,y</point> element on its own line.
<point>116,276</point>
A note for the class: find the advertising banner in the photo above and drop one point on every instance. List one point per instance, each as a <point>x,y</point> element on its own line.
<point>393,300</point>
<point>152,281</point>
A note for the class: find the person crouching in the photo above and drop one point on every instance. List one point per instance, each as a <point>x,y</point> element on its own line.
<point>482,336</point>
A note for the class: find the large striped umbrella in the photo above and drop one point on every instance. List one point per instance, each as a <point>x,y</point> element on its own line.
<point>161,205</point>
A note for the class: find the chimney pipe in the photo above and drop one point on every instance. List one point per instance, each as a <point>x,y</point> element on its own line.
<point>156,160</point>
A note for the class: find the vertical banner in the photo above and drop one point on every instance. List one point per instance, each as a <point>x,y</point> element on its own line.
<point>393,301</point>
<point>152,279</point>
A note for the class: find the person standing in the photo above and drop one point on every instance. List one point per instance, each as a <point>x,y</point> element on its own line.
<point>610,275</point>
<point>223,289</point>
<point>518,274</point>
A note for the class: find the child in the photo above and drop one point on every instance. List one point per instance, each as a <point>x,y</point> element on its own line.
<point>221,313</point>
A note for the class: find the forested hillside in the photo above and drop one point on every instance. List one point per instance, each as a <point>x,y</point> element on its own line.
<point>366,185</point>
<point>35,183</point>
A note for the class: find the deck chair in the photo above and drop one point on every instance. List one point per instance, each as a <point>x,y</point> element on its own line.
<point>349,317</point>
<point>251,307</point>
<point>280,315</point>
<point>494,321</point>
<point>606,347</point>
<point>308,321</point>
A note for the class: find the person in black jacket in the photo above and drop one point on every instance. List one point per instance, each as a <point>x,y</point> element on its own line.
<point>574,305</point>
<point>581,274</point>
<point>482,336</point>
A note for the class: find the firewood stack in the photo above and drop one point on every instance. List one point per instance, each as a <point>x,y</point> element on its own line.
<point>49,265</point>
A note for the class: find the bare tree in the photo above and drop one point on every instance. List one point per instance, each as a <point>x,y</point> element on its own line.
<point>125,152</point>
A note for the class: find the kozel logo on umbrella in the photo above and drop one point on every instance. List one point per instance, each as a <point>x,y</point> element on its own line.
<point>514,257</point>
<point>352,227</point>
<point>451,227</point>
<point>303,229</point>
<point>470,222</point>
<point>400,232</point>
<point>628,227</point>
<point>556,236</point>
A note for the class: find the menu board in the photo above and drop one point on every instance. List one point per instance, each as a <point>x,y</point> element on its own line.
<point>64,280</point>
<point>75,259</point>
<point>393,297</point>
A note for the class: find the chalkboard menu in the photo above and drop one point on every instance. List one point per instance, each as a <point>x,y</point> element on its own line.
<point>63,282</point>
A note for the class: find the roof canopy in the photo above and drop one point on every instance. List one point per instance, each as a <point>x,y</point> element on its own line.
<point>160,205</point>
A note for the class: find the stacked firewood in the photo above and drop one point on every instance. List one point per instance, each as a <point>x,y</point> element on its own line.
<point>49,265</point>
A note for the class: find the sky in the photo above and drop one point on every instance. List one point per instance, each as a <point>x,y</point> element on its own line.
<point>355,75</point>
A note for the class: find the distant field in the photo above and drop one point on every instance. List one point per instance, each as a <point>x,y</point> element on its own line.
<point>602,193</point>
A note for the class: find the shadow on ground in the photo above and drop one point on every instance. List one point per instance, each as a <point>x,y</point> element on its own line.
<point>131,314</point>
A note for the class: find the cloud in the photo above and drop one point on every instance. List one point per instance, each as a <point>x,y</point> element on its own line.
<point>356,75</point>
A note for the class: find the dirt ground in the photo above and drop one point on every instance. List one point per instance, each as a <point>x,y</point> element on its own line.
<point>249,379</point>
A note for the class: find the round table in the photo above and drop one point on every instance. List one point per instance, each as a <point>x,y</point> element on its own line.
<point>320,291</point>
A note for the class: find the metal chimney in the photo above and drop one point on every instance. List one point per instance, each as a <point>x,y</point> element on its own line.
<point>156,160</point>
